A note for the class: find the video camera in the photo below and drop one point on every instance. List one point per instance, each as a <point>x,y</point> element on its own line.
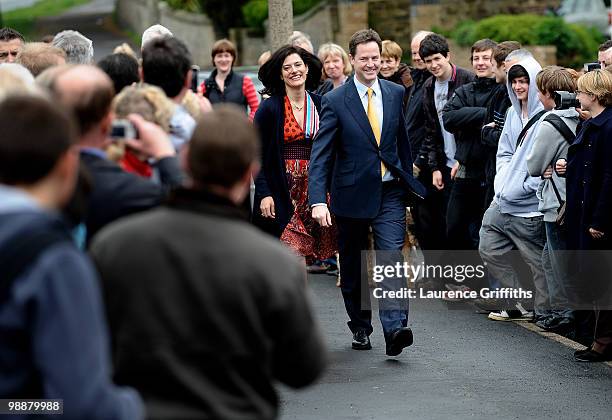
<point>566,100</point>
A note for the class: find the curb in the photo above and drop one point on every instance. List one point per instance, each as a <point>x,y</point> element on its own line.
<point>555,337</point>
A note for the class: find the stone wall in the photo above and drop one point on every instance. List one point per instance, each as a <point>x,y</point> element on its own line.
<point>391,19</point>
<point>352,16</point>
<point>137,15</point>
<point>196,30</point>
<point>317,23</point>
<point>545,54</point>
<point>453,11</point>
<point>249,46</point>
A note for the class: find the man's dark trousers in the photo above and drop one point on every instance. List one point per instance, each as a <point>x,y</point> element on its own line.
<point>389,229</point>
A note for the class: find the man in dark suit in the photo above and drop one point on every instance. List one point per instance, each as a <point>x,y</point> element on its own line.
<point>88,92</point>
<point>363,155</point>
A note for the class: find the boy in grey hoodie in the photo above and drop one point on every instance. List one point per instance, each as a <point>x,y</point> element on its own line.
<point>513,221</point>
<point>549,145</point>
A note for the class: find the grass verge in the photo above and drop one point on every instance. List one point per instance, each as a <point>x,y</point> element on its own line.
<point>24,20</point>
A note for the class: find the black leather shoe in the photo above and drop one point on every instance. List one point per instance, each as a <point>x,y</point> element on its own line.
<point>593,356</point>
<point>580,352</point>
<point>398,339</point>
<point>361,341</point>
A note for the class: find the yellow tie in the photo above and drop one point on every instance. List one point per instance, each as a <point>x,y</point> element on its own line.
<point>375,126</point>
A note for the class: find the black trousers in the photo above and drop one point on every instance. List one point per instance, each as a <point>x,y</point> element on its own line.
<point>464,213</point>
<point>430,213</point>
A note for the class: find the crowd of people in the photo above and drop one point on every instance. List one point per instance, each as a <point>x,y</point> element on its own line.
<point>141,279</point>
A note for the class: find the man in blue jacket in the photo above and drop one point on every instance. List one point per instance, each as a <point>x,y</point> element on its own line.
<point>362,154</point>
<point>53,337</point>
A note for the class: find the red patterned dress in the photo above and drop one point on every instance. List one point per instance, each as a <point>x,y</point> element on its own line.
<point>303,234</point>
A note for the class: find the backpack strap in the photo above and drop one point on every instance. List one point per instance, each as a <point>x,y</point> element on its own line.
<point>561,127</point>
<point>529,124</point>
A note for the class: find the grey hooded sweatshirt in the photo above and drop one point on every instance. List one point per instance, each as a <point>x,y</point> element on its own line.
<point>515,189</point>
<point>548,147</point>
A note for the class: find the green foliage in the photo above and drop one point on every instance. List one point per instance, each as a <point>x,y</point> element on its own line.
<point>255,12</point>
<point>23,20</point>
<point>575,43</point>
<point>193,6</point>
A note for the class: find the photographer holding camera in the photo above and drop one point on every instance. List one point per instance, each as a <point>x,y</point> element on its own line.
<point>556,87</point>
<point>589,195</point>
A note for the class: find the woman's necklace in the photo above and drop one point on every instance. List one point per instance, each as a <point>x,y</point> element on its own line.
<point>297,105</point>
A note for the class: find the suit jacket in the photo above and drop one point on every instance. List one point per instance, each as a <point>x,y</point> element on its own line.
<point>346,159</point>
<point>271,179</point>
<point>116,193</point>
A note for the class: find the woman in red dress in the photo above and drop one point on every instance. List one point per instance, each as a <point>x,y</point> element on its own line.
<point>288,121</point>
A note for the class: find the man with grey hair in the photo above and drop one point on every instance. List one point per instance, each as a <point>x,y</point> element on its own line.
<point>516,56</point>
<point>152,32</point>
<point>302,40</point>
<point>78,48</point>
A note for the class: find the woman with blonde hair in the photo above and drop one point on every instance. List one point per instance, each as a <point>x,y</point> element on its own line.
<point>152,104</point>
<point>336,67</point>
<point>589,205</point>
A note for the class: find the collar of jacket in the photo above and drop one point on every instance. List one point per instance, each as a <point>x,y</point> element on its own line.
<point>602,118</point>
<point>204,201</point>
<point>484,82</point>
<point>454,75</point>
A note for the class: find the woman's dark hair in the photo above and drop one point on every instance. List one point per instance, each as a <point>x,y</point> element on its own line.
<point>270,72</point>
<point>517,71</point>
<point>121,68</point>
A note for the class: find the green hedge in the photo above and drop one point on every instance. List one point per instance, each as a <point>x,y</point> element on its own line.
<point>255,12</point>
<point>575,44</point>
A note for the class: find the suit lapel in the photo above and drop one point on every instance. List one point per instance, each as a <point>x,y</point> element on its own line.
<point>354,105</point>
<point>388,107</point>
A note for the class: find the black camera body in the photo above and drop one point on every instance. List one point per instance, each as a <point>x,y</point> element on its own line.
<point>566,100</point>
<point>591,66</point>
<point>195,73</point>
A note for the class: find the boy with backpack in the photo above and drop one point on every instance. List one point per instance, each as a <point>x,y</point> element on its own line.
<point>552,139</point>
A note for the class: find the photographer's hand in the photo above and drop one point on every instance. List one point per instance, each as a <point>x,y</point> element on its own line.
<point>584,115</point>
<point>561,166</point>
<point>153,141</point>
<point>548,172</point>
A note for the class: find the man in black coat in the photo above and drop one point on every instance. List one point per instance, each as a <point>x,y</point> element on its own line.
<point>464,116</point>
<point>88,92</point>
<point>198,337</point>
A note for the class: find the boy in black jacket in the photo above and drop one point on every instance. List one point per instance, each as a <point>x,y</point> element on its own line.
<point>464,116</point>
<point>439,144</point>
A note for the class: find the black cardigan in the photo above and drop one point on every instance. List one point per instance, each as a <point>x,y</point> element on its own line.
<point>271,180</point>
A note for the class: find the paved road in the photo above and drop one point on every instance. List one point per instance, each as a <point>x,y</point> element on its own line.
<point>461,366</point>
<point>94,20</point>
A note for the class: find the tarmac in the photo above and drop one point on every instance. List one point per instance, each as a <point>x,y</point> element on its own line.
<point>461,366</point>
